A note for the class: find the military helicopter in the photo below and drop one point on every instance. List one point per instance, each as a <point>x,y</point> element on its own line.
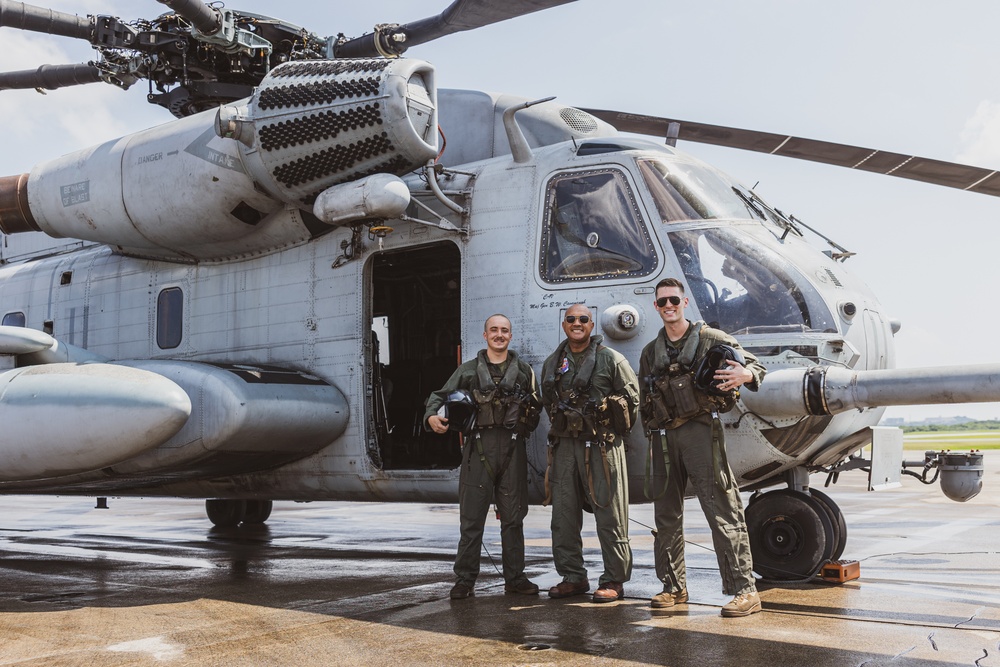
<point>270,285</point>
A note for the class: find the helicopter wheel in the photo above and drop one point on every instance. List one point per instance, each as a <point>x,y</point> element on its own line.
<point>257,511</point>
<point>790,534</point>
<point>837,518</point>
<point>224,512</point>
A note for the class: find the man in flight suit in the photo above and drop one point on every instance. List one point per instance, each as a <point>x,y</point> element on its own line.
<point>591,396</point>
<point>494,462</point>
<point>682,422</point>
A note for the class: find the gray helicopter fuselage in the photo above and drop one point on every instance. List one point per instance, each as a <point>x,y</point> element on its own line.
<point>383,314</point>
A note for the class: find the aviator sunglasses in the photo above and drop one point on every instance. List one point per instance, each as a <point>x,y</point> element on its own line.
<point>662,301</point>
<point>571,319</point>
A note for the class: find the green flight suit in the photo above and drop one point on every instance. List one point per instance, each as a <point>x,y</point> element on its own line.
<point>569,481</point>
<point>689,450</point>
<point>494,468</point>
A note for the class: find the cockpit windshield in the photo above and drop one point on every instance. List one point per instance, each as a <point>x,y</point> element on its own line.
<point>685,192</point>
<point>743,286</point>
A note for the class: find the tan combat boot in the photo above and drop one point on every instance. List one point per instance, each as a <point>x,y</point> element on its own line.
<point>668,599</point>
<point>743,604</point>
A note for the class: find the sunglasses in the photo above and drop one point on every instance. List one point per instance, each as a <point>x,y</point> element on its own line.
<point>571,319</point>
<point>663,300</point>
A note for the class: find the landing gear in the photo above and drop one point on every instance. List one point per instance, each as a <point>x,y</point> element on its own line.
<point>257,511</point>
<point>791,534</point>
<point>839,537</point>
<point>227,513</point>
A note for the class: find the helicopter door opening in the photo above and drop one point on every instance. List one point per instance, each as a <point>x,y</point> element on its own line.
<point>415,345</point>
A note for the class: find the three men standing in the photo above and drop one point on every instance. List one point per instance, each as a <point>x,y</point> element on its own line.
<point>682,422</point>
<point>591,396</point>
<point>494,463</point>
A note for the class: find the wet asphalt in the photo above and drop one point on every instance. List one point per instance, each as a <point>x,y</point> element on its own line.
<point>151,582</point>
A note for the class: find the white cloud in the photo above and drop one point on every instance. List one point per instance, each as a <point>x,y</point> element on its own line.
<point>981,136</point>
<point>42,126</point>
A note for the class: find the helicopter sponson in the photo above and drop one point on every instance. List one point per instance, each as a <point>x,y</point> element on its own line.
<point>242,179</point>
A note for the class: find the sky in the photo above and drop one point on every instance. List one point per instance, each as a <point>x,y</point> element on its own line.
<point>907,76</point>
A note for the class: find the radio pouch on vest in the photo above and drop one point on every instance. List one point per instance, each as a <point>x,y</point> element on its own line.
<point>615,414</point>
<point>573,413</point>
<point>685,399</point>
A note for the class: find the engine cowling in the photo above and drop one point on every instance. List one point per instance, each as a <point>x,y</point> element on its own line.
<point>237,181</point>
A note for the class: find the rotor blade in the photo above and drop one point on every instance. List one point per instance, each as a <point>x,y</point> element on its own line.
<point>469,14</point>
<point>50,77</point>
<point>40,19</point>
<point>206,19</point>
<point>926,170</point>
<point>459,16</point>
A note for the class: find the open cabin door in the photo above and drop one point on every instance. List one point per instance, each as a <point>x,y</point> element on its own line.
<point>416,324</point>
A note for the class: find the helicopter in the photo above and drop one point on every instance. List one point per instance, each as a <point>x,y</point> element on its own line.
<point>272,334</point>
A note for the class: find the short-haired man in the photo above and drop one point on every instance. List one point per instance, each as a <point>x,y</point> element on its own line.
<point>682,422</point>
<point>591,395</point>
<point>494,463</point>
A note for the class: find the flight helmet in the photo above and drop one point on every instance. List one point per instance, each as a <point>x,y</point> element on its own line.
<point>460,411</point>
<point>715,359</point>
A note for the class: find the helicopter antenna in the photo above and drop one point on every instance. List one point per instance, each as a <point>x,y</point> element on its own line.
<point>673,131</point>
<point>842,252</point>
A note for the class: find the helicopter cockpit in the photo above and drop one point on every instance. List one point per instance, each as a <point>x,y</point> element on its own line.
<point>738,276</point>
<point>739,282</point>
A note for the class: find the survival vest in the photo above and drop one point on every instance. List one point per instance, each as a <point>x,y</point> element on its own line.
<point>672,398</point>
<point>504,404</point>
<point>573,412</point>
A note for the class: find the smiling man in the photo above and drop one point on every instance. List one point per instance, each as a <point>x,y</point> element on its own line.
<point>681,401</point>
<point>500,389</point>
<point>591,396</point>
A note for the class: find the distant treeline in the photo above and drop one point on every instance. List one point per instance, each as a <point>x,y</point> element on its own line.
<point>991,425</point>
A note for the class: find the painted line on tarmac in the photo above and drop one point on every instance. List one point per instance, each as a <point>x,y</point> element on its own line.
<point>8,546</point>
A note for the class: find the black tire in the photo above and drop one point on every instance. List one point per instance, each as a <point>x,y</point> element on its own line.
<point>837,518</point>
<point>257,511</point>
<point>225,512</point>
<point>789,535</point>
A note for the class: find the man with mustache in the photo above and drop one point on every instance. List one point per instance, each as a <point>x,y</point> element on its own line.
<point>591,396</point>
<point>494,462</point>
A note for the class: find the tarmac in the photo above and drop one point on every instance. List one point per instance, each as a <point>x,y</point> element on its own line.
<point>151,582</point>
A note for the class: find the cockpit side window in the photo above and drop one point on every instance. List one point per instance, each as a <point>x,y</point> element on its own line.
<point>593,229</point>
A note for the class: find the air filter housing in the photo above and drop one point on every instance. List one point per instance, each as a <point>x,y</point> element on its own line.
<point>313,124</point>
